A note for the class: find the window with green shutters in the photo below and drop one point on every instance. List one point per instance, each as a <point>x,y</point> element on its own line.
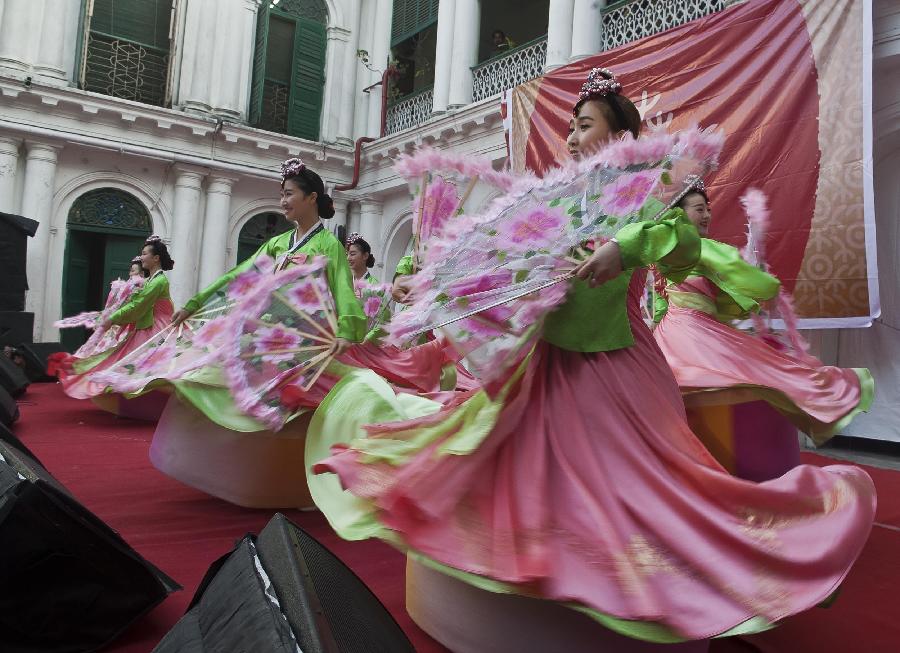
<point>289,67</point>
<point>411,17</point>
<point>125,48</point>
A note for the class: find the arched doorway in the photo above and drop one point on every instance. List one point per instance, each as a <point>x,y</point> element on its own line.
<point>258,229</point>
<point>400,243</point>
<point>106,228</point>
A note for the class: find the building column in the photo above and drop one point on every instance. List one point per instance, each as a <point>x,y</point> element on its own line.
<point>9,165</point>
<point>185,233</point>
<point>559,33</point>
<point>233,59</point>
<point>341,213</point>
<point>348,87</point>
<point>369,226</point>
<point>213,249</point>
<point>335,101</point>
<point>55,57</point>
<point>37,204</point>
<point>466,24</point>
<point>443,60</point>
<point>20,22</point>
<point>201,21</point>
<point>246,32</point>
<point>381,50</point>
<point>587,28</point>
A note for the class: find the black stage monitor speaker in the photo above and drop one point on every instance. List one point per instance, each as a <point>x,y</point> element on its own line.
<point>70,584</point>
<point>12,377</point>
<point>9,410</point>
<point>14,233</point>
<point>16,327</point>
<point>35,355</point>
<point>280,591</point>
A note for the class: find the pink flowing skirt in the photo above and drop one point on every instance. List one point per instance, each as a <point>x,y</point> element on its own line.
<point>708,356</point>
<point>82,385</point>
<point>590,488</point>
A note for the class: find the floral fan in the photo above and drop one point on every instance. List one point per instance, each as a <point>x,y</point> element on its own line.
<point>199,341</point>
<point>376,303</point>
<point>489,279</point>
<point>102,339</point>
<point>280,342</point>
<point>441,185</point>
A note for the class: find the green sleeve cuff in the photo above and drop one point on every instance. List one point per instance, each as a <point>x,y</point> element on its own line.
<point>672,242</point>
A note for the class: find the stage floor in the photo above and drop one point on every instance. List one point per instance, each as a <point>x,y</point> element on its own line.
<point>103,461</point>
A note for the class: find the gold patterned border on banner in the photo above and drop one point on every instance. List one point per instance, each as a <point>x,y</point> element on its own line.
<point>833,279</point>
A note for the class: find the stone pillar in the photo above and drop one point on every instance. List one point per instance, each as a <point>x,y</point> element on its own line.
<point>444,56</point>
<point>381,50</point>
<point>559,33</point>
<point>37,204</point>
<point>186,233</point>
<point>55,56</point>
<point>20,22</point>
<point>341,213</point>
<point>213,249</point>
<point>587,28</point>
<point>9,165</point>
<point>369,226</point>
<point>466,25</point>
<point>335,102</point>
<point>217,57</point>
<point>349,89</point>
<point>363,76</point>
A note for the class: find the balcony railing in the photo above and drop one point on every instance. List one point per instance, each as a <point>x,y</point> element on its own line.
<point>125,69</point>
<point>409,111</point>
<point>622,22</point>
<point>509,69</point>
<point>631,20</point>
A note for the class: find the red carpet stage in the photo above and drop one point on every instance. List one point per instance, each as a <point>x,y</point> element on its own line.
<point>103,461</point>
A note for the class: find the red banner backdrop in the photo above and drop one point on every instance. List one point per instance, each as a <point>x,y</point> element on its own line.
<point>789,83</point>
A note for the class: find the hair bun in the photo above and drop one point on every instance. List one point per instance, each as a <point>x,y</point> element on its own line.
<point>326,206</point>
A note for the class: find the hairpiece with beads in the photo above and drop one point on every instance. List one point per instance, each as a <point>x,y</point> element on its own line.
<point>600,82</point>
<point>153,239</point>
<point>292,168</point>
<point>352,238</point>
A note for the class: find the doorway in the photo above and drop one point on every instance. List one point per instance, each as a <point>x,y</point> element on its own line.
<point>106,228</point>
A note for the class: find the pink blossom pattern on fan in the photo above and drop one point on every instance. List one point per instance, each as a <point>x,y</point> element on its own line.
<point>372,306</point>
<point>441,200</point>
<point>155,357</point>
<point>275,344</point>
<point>211,332</point>
<point>243,284</point>
<point>535,229</point>
<point>303,296</point>
<point>628,193</point>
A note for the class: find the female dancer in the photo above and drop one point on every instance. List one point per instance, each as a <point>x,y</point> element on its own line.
<point>147,310</point>
<point>580,481</point>
<point>360,258</point>
<point>716,363</point>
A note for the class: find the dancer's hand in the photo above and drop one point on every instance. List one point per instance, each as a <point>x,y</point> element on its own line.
<point>400,290</point>
<point>603,265</point>
<point>341,345</point>
<point>180,317</point>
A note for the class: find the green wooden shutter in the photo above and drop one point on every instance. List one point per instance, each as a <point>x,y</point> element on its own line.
<point>259,64</point>
<point>145,21</point>
<point>411,17</point>
<point>309,80</point>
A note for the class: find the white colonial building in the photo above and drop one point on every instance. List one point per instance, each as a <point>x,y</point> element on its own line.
<point>119,118</point>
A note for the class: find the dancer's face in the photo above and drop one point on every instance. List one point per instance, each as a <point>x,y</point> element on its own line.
<point>588,131</point>
<point>357,259</point>
<point>136,270</point>
<point>296,204</point>
<point>149,260</point>
<point>698,211</point>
